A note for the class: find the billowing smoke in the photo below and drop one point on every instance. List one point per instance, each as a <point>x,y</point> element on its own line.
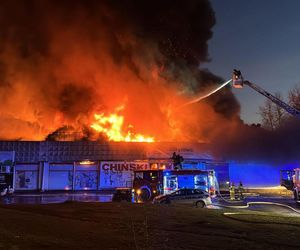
<point>254,143</point>
<point>62,61</point>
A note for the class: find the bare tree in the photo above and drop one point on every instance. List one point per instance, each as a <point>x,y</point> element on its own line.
<point>294,97</point>
<point>272,115</point>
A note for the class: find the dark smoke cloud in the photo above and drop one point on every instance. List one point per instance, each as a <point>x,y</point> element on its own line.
<point>180,28</point>
<point>224,102</point>
<point>254,143</point>
<point>63,60</point>
<point>75,99</point>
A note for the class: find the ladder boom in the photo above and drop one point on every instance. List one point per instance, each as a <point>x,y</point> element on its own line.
<point>274,99</point>
<point>238,82</point>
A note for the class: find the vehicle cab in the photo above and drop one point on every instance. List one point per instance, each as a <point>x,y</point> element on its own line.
<point>149,183</point>
<point>290,179</point>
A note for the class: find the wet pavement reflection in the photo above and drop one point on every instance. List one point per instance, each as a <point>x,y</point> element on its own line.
<point>280,206</point>
<point>55,198</point>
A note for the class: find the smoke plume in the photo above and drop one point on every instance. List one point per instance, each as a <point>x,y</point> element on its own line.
<point>63,61</point>
<point>253,143</point>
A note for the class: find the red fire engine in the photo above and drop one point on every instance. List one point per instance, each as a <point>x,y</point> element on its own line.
<point>291,180</point>
<point>149,183</point>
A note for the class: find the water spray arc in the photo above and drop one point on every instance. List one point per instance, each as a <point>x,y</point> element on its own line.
<point>208,94</point>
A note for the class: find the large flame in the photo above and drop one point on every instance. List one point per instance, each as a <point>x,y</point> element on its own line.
<point>86,57</point>
<point>113,127</point>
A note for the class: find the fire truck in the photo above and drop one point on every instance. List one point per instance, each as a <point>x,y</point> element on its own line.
<point>290,179</point>
<point>238,82</point>
<point>149,183</point>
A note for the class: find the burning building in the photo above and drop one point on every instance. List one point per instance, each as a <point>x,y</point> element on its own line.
<point>74,66</point>
<point>94,78</point>
<point>90,165</point>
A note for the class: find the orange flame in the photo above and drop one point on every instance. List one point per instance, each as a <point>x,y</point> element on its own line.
<point>112,127</point>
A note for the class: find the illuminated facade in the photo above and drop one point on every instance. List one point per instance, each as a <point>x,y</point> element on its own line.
<point>84,165</point>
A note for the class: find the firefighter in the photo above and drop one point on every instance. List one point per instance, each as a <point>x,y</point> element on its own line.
<point>241,190</point>
<point>159,188</point>
<point>177,160</point>
<point>232,191</point>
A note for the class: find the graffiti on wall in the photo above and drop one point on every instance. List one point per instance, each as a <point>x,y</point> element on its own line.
<point>118,173</point>
<point>26,180</point>
<point>86,180</point>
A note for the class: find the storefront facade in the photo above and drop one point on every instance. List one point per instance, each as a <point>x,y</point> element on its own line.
<point>54,166</point>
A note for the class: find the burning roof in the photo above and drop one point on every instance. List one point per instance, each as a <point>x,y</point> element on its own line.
<point>66,66</point>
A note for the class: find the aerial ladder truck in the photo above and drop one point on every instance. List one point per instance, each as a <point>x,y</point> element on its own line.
<point>290,179</point>
<point>238,82</point>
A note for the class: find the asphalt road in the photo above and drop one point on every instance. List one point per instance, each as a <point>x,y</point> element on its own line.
<point>50,198</point>
<point>280,205</point>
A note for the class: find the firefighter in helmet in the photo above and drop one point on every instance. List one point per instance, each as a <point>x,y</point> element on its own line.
<point>177,160</point>
<point>232,191</point>
<point>241,190</point>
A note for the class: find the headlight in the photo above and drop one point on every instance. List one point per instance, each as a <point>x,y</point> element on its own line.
<point>154,191</point>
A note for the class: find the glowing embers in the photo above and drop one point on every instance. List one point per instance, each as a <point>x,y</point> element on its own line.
<point>112,126</point>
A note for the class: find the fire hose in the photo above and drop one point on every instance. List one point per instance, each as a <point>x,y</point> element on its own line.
<point>219,193</point>
<point>248,204</point>
<point>230,215</point>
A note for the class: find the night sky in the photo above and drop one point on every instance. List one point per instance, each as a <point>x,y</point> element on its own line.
<point>262,39</point>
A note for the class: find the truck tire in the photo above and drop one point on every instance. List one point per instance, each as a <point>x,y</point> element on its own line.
<point>145,194</point>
